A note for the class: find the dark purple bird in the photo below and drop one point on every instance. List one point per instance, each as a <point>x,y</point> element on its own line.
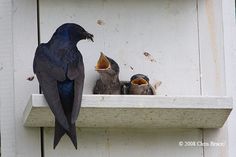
<point>59,68</point>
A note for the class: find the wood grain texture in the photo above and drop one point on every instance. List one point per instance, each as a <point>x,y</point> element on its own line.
<point>8,134</point>
<point>120,111</point>
<point>211,47</point>
<point>25,41</point>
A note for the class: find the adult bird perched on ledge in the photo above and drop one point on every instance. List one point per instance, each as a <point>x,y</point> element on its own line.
<point>109,82</point>
<point>59,68</point>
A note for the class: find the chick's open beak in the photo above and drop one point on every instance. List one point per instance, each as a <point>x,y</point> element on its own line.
<point>103,63</point>
<point>139,81</point>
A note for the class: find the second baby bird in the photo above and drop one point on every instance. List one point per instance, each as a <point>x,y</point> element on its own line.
<point>109,82</point>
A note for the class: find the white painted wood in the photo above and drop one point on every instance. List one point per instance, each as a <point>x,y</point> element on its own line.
<point>121,34</point>
<point>25,42</point>
<point>230,61</point>
<point>175,52</point>
<point>211,46</point>
<point>6,81</point>
<point>126,142</point>
<point>127,29</point>
<point>137,112</point>
<point>91,142</point>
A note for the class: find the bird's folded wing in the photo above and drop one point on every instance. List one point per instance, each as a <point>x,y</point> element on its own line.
<point>43,63</point>
<point>50,91</point>
<point>76,73</point>
<point>48,74</point>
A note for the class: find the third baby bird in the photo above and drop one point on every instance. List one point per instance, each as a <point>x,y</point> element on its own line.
<point>139,85</point>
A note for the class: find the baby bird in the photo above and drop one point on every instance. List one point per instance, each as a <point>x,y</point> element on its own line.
<point>139,85</point>
<point>109,82</point>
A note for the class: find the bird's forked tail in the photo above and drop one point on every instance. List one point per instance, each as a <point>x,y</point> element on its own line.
<point>60,131</point>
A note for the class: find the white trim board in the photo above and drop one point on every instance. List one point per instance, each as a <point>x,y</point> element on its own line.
<point>130,111</point>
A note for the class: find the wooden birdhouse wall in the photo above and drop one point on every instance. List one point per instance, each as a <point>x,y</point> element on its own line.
<point>125,30</point>
<point>179,43</point>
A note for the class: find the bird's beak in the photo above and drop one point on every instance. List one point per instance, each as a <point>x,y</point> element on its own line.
<point>89,36</point>
<point>103,63</point>
<point>139,81</point>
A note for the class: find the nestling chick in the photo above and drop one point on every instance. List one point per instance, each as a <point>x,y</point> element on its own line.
<point>109,82</point>
<point>139,85</point>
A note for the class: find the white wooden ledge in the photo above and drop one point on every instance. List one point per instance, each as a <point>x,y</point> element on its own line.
<point>132,111</point>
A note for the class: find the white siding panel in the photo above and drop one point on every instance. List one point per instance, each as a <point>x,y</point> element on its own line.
<point>91,143</point>
<point>6,81</point>
<point>212,67</point>
<point>230,61</point>
<point>25,42</point>
<point>126,142</point>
